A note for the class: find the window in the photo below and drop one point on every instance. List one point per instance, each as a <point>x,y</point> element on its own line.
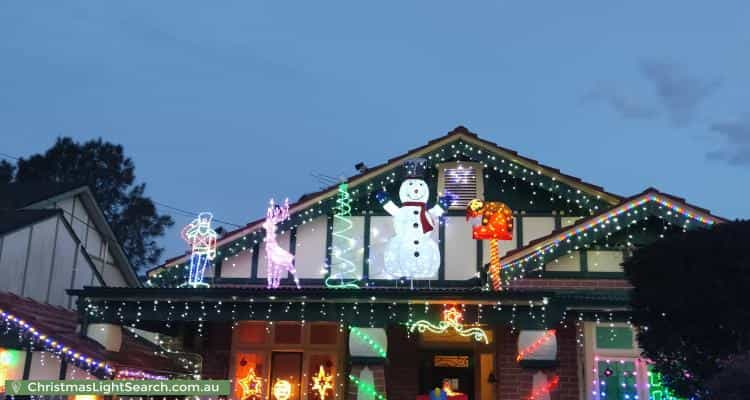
<point>249,371</point>
<point>566,263</point>
<point>289,352</point>
<point>604,260</point>
<point>11,366</point>
<point>286,367</point>
<point>288,334</point>
<point>463,179</point>
<point>613,359</point>
<point>321,369</point>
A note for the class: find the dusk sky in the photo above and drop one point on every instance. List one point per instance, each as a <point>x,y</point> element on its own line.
<point>222,105</point>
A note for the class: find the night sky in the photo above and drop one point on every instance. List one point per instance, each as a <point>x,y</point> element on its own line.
<point>224,104</point>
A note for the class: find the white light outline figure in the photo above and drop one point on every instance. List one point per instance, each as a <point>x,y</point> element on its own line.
<point>202,241</point>
<point>277,258</point>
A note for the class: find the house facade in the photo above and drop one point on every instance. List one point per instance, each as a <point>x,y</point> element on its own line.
<point>458,265</point>
<point>54,238</point>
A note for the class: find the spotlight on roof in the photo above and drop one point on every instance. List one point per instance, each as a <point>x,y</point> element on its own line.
<point>361,167</point>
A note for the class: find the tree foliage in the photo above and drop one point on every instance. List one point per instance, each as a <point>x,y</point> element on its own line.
<point>692,304</point>
<point>6,171</point>
<point>110,175</point>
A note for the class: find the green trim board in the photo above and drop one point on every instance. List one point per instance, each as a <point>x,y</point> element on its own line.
<point>614,337</point>
<point>366,254</point>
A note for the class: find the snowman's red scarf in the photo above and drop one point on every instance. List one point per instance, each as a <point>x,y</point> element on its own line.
<point>426,225</point>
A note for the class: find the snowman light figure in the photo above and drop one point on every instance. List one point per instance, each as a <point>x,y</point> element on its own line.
<point>412,253</point>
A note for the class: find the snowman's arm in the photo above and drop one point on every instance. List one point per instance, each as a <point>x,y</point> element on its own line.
<point>437,211</point>
<point>390,207</point>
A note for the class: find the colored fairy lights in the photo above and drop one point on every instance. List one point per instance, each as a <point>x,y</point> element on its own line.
<point>535,346</point>
<point>657,390</point>
<point>367,339</point>
<point>451,320</point>
<point>322,382</point>
<point>278,258</point>
<point>54,346</point>
<point>546,389</point>
<point>6,361</point>
<point>367,387</point>
<point>202,241</point>
<point>282,389</point>
<point>251,385</point>
<point>550,245</point>
<point>342,268</point>
<point>127,374</point>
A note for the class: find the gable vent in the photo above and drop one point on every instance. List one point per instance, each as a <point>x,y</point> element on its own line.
<point>464,180</point>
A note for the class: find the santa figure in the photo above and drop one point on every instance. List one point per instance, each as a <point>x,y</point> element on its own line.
<point>202,241</point>
<point>412,253</point>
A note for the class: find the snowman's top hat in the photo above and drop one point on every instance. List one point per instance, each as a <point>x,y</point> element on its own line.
<point>415,168</point>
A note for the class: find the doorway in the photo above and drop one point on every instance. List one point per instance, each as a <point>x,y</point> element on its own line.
<point>456,366</point>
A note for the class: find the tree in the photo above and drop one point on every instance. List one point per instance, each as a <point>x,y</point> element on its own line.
<point>692,303</point>
<point>6,171</point>
<point>111,176</point>
<point>733,382</point>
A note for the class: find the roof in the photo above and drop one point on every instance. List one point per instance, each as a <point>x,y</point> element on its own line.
<point>459,133</point>
<point>11,221</point>
<point>557,237</point>
<point>62,325</point>
<point>36,195</point>
<point>14,196</point>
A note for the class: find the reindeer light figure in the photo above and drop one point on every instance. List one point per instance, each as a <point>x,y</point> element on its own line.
<point>277,258</point>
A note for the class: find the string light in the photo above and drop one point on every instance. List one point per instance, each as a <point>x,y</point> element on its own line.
<point>251,385</point>
<point>367,388</point>
<point>376,347</point>
<point>342,268</point>
<point>451,320</point>
<point>131,374</point>
<point>282,389</point>
<point>54,346</point>
<point>277,257</point>
<point>548,335</point>
<point>630,208</point>
<point>322,382</point>
<point>550,386</point>
<point>656,388</point>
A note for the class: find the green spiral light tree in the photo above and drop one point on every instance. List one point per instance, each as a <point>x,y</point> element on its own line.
<point>342,270</point>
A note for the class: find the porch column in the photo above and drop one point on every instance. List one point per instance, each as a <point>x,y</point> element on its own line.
<point>368,348</point>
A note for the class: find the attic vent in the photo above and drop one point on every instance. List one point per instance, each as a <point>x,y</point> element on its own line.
<point>462,179</point>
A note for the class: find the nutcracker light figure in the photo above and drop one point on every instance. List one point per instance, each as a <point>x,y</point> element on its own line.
<point>202,241</point>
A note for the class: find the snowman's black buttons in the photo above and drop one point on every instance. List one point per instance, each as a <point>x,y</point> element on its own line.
<point>416,242</point>
<point>416,225</point>
<point>416,212</point>
<point>416,254</point>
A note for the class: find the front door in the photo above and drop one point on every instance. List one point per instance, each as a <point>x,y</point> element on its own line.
<point>457,367</point>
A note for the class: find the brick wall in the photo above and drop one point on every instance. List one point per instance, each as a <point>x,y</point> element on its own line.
<point>515,383</point>
<point>402,371</point>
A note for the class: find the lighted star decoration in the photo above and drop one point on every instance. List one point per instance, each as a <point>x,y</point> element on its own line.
<point>322,382</point>
<point>282,389</point>
<point>451,320</point>
<point>251,384</point>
